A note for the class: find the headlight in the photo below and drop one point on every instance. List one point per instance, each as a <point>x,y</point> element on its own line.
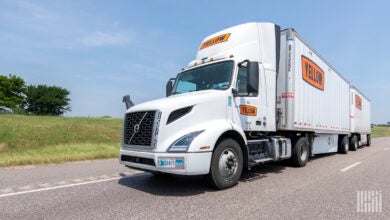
<point>182,144</point>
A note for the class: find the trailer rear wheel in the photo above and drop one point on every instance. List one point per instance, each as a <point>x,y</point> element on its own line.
<point>368,140</point>
<point>226,164</point>
<point>343,145</point>
<point>300,153</point>
<point>354,143</point>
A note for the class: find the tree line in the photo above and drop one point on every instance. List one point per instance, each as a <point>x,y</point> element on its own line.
<point>33,99</point>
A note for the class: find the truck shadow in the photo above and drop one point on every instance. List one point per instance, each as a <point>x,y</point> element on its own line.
<point>176,185</point>
<point>319,156</point>
<point>261,171</point>
<point>167,185</point>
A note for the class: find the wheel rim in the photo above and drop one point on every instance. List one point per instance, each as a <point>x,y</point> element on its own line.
<point>228,164</point>
<point>303,152</point>
<point>346,147</point>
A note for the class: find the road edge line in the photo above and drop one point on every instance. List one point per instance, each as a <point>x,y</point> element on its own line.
<point>350,166</point>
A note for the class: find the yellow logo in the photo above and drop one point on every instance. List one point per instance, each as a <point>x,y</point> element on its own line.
<point>358,102</point>
<point>312,73</point>
<point>215,40</point>
<point>248,110</point>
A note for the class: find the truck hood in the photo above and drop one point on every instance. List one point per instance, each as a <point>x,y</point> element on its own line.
<point>179,101</point>
<point>208,106</point>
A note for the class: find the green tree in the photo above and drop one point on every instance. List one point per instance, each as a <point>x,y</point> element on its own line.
<point>11,91</point>
<point>47,100</point>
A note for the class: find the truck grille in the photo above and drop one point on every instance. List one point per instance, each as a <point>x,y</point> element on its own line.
<point>138,128</point>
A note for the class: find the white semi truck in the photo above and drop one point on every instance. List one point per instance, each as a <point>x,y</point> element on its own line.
<point>253,94</point>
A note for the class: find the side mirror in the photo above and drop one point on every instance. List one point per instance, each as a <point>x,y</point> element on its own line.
<point>127,101</point>
<point>253,77</point>
<point>169,87</point>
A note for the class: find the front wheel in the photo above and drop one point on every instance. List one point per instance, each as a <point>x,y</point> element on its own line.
<point>226,164</point>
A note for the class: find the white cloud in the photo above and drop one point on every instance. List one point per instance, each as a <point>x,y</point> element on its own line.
<point>35,11</point>
<point>101,39</point>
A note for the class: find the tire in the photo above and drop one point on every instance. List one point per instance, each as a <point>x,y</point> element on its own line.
<point>368,140</point>
<point>343,145</point>
<point>300,153</point>
<point>354,143</point>
<point>226,164</point>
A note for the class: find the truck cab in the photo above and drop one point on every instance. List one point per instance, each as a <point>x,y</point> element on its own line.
<point>227,92</point>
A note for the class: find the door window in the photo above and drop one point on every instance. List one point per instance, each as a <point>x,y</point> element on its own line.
<point>242,83</point>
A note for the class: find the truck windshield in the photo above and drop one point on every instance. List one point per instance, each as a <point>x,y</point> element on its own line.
<point>213,76</point>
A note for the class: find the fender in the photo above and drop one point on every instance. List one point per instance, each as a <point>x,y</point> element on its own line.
<point>213,131</point>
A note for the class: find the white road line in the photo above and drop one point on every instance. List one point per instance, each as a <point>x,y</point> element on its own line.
<point>350,166</point>
<point>67,186</point>
<point>56,187</point>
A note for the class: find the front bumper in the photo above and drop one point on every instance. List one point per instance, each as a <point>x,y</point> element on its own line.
<point>193,163</point>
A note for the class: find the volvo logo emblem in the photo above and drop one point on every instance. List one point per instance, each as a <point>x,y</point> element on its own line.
<point>136,128</point>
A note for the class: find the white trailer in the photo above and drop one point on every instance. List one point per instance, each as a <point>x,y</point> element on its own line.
<point>311,95</point>
<point>253,94</point>
<point>360,119</point>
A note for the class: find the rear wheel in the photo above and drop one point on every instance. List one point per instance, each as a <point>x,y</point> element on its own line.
<point>343,145</point>
<point>354,143</point>
<point>368,140</point>
<point>300,153</point>
<point>226,164</point>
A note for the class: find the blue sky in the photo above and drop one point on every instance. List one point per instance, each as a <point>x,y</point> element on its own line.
<point>102,50</point>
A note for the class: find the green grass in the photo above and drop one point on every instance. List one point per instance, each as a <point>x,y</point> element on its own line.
<point>28,140</point>
<point>380,131</point>
<point>40,139</point>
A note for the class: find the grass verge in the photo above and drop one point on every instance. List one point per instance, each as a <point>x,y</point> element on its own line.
<point>58,154</point>
<point>28,140</point>
<point>380,131</point>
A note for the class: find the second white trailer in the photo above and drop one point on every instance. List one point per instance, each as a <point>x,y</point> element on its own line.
<point>360,110</point>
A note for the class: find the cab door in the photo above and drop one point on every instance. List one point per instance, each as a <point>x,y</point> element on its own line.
<point>250,98</point>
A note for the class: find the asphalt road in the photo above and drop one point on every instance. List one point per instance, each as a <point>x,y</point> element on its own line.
<point>327,188</point>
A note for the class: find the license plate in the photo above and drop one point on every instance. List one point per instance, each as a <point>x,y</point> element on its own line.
<point>175,163</point>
